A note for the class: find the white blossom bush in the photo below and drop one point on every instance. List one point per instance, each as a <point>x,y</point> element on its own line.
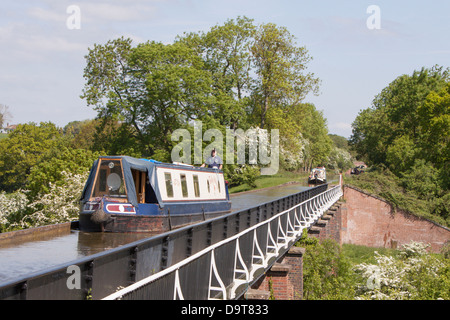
<point>294,154</point>
<point>384,281</point>
<point>414,275</point>
<point>12,206</point>
<point>60,204</point>
<point>339,159</point>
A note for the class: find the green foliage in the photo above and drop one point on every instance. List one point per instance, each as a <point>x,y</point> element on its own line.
<point>52,165</point>
<point>152,89</point>
<point>304,136</point>
<point>225,50</point>
<point>281,81</point>
<point>340,142</point>
<point>409,119</point>
<point>241,174</point>
<point>434,116</point>
<point>327,273</point>
<point>400,155</point>
<point>22,150</point>
<point>423,179</point>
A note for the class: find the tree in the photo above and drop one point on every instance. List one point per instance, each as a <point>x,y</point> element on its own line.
<point>369,132</point>
<point>55,164</point>
<point>226,52</point>
<point>22,150</point>
<point>236,75</point>
<point>434,117</point>
<point>314,129</point>
<point>401,113</point>
<point>400,155</point>
<point>81,134</point>
<point>154,88</point>
<point>280,81</point>
<point>402,98</point>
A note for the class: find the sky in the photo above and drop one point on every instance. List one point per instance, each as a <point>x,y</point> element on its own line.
<point>357,49</point>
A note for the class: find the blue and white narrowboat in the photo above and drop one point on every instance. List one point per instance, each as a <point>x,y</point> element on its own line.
<point>125,194</point>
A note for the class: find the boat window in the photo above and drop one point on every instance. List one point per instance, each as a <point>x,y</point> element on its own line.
<point>218,185</point>
<point>184,188</point>
<point>109,181</point>
<point>168,180</point>
<point>196,186</point>
<point>207,183</point>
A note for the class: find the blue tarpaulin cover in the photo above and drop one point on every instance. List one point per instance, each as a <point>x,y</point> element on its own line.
<point>128,163</point>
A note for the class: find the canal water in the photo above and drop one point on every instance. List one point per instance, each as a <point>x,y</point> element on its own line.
<point>31,257</point>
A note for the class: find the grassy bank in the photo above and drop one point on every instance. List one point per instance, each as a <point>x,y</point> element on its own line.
<point>357,254</point>
<point>274,180</point>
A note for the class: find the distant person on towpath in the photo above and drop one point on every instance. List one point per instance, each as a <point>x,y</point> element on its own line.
<point>214,161</point>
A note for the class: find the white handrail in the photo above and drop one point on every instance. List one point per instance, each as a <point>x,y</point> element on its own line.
<point>333,193</point>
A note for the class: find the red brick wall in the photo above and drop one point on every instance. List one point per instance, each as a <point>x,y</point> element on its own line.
<point>370,221</point>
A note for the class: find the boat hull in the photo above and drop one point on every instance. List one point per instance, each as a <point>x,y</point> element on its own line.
<point>142,223</point>
<point>316,181</point>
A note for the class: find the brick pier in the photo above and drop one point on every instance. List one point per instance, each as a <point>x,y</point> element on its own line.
<point>284,281</point>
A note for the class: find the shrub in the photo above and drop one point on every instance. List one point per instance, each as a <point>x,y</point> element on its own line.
<point>327,274</point>
<point>415,275</point>
<point>60,204</point>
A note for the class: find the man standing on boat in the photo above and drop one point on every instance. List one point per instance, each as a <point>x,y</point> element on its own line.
<point>214,161</point>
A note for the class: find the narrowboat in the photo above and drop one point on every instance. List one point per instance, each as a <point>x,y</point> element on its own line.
<point>125,194</point>
<point>318,176</point>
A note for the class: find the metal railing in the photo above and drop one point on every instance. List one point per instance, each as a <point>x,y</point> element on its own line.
<point>211,259</point>
<point>227,268</point>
